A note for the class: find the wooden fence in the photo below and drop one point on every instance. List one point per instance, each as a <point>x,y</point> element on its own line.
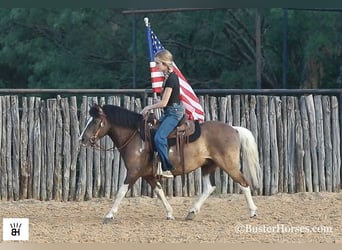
<point>298,140</point>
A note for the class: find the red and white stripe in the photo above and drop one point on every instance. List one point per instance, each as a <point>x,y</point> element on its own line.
<point>188,98</point>
<point>157,78</point>
<point>190,101</point>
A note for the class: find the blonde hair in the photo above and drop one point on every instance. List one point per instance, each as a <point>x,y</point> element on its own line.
<point>165,57</point>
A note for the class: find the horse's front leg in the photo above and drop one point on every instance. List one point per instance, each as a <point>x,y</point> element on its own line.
<point>118,198</point>
<point>161,195</point>
<point>158,190</point>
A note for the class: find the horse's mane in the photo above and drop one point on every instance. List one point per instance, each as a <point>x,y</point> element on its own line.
<point>122,117</point>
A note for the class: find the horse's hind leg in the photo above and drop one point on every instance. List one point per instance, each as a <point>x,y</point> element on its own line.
<point>238,177</point>
<point>207,190</point>
<point>252,207</point>
<point>158,190</point>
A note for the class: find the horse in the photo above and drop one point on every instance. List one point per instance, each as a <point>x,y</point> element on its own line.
<point>219,145</point>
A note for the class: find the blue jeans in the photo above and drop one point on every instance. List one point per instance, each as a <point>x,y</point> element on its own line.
<point>168,122</point>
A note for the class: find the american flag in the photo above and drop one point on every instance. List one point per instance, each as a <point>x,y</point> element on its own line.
<point>188,98</point>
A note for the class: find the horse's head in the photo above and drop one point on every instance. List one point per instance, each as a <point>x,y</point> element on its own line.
<point>96,127</point>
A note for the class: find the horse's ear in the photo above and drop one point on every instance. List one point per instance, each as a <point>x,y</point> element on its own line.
<point>93,105</point>
<point>95,110</point>
<point>99,108</point>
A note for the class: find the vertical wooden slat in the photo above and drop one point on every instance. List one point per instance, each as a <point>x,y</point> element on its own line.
<point>30,157</point>
<point>23,149</point>
<point>75,145</point>
<point>252,117</point>
<point>9,149</point>
<point>327,123</point>
<point>51,138</point>
<point>306,145</point>
<point>206,108</point>
<point>2,165</point>
<point>320,142</point>
<point>37,163</point>
<point>260,140</point>
<point>66,149</point>
<point>291,143</point>
<point>285,144</point>
<point>3,183</point>
<point>336,142</point>
<point>4,138</point>
<point>44,142</point>
<point>244,122</point>
<point>313,141</point>
<point>15,145</point>
<point>280,139</point>
<point>57,178</point>
<point>82,178</point>
<point>274,161</point>
<point>266,143</point>
<point>299,152</point>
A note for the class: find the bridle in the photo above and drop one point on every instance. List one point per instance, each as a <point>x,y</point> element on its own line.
<point>94,139</point>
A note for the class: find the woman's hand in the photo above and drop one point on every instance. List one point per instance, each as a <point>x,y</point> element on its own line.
<point>145,111</point>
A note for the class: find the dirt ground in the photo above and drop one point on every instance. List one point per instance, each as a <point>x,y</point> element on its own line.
<point>299,218</point>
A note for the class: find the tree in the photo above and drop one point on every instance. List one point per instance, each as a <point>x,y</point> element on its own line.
<point>93,48</point>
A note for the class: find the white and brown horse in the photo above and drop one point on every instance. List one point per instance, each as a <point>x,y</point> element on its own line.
<point>219,145</point>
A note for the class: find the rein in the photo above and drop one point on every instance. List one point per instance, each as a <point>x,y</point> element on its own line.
<point>128,140</point>
<point>95,145</point>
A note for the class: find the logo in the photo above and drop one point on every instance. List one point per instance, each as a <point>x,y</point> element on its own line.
<point>15,229</point>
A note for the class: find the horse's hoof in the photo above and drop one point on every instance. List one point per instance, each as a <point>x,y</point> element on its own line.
<point>252,214</point>
<point>107,220</point>
<point>170,217</point>
<point>190,216</point>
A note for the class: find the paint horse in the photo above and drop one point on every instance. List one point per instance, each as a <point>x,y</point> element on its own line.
<point>219,145</point>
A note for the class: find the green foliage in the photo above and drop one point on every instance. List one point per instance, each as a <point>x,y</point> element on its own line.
<point>93,48</point>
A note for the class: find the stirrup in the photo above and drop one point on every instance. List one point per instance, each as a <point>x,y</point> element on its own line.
<point>166,174</point>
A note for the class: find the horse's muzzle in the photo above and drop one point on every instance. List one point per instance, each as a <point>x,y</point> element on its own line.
<point>90,142</point>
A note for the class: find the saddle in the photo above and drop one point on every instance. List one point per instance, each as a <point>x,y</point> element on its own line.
<point>186,131</point>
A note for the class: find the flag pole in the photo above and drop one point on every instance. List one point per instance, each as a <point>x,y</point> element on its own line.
<point>150,50</point>
<point>151,56</point>
<point>155,98</point>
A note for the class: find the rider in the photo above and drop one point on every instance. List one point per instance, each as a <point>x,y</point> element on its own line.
<point>173,110</point>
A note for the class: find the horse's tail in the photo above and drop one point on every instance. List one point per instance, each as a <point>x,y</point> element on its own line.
<point>250,157</point>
